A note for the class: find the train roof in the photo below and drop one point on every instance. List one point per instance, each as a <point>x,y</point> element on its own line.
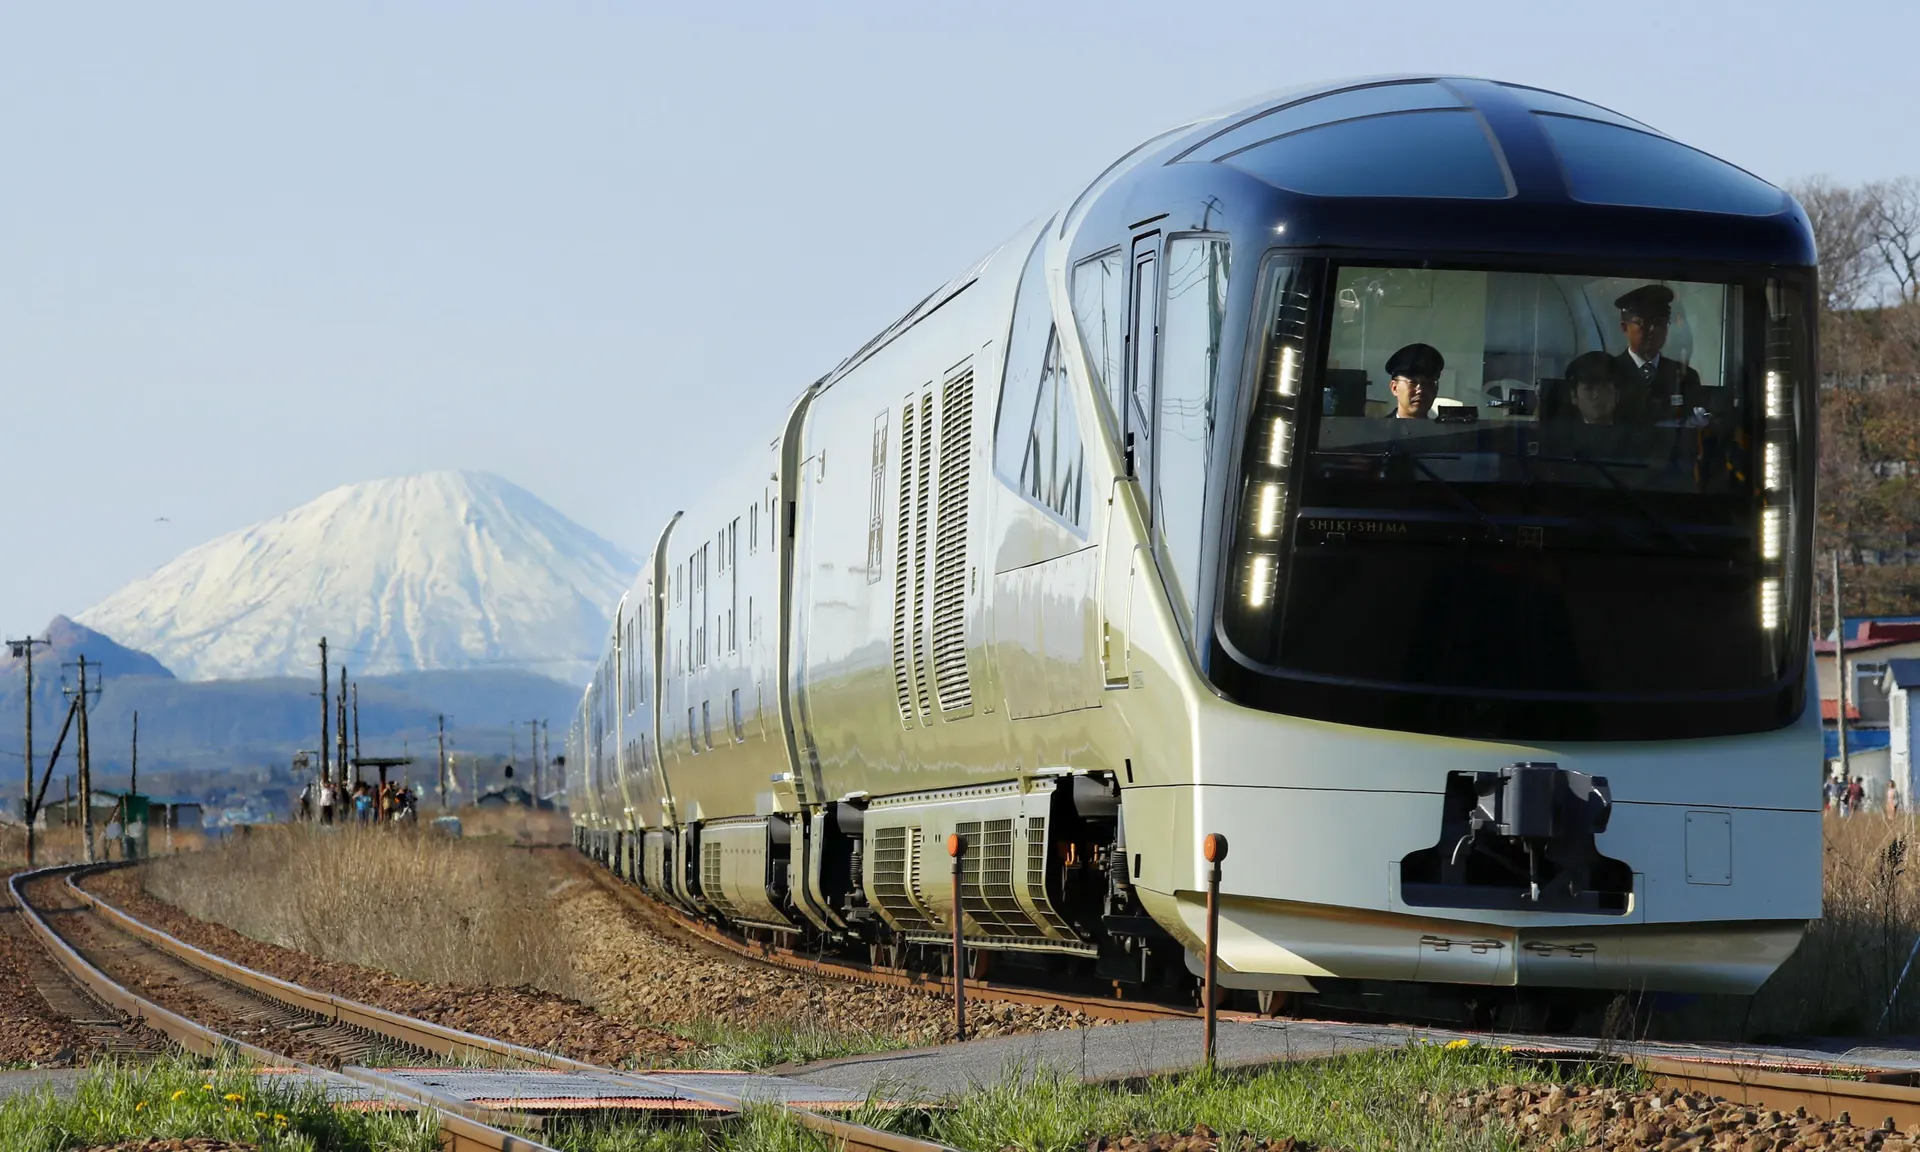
<point>1460,162</point>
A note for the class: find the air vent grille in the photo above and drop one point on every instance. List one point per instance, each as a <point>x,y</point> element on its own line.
<point>1036,876</point>
<point>894,866</point>
<point>986,880</point>
<point>710,887</point>
<point>903,671</point>
<point>950,546</point>
<point>923,491</point>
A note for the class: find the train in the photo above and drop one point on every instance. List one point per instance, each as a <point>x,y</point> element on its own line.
<point>1409,480</point>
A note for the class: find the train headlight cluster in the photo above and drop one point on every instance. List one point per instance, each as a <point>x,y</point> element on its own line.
<point>1268,457</point>
<point>1778,530</point>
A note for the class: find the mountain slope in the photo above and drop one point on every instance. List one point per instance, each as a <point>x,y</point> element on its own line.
<point>443,570</point>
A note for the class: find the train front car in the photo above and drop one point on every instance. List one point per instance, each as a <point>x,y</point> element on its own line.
<point>1472,436</point>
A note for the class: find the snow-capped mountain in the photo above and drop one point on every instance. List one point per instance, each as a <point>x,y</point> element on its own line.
<point>437,571</point>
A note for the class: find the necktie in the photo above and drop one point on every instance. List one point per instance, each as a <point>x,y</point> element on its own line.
<point>1646,371</point>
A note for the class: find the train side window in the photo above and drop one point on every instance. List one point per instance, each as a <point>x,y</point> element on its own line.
<point>739,728</point>
<point>1053,467</point>
<point>1099,311</point>
<point>1020,376</point>
<point>1037,448</point>
<point>1196,278</point>
<point>1143,348</point>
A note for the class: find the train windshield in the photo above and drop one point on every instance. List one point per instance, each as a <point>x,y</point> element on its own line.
<point>1544,486</point>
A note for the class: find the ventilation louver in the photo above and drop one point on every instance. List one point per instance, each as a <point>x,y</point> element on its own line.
<point>903,670</point>
<point>895,865</point>
<point>951,678</point>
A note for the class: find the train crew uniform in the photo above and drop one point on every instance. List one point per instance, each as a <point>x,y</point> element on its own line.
<point>1663,389</point>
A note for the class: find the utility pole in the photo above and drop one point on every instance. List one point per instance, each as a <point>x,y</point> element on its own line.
<point>86,757</point>
<point>533,754</point>
<point>546,747</point>
<point>1840,671</point>
<point>133,773</point>
<point>340,738</point>
<point>326,739</point>
<point>356,720</point>
<point>23,650</point>
<point>442,777</point>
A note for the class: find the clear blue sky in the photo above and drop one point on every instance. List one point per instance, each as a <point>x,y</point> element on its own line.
<point>252,251</point>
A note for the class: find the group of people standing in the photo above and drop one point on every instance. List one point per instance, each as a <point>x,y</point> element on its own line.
<point>364,803</point>
<point>1848,797</point>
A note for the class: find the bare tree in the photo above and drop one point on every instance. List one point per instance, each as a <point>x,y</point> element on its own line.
<point>1894,207</point>
<point>1842,219</point>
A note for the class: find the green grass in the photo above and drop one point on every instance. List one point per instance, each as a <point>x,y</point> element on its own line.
<point>749,1048</point>
<point>1369,1101</point>
<point>181,1097</point>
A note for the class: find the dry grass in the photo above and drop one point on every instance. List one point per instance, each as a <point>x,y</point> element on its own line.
<point>413,903</point>
<point>520,825</point>
<point>1840,979</point>
<point>62,845</point>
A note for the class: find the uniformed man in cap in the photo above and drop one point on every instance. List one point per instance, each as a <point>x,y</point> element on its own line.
<point>1664,390</point>
<point>1414,377</point>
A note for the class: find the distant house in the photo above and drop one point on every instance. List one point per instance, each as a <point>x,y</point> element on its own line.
<point>1870,648</point>
<point>1901,682</point>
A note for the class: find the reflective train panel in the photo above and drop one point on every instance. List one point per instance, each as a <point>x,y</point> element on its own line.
<point>1408,479</point>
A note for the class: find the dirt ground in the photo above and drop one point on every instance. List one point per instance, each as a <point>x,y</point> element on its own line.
<point>520,1015</point>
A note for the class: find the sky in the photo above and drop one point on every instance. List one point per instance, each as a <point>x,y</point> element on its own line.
<point>251,252</point>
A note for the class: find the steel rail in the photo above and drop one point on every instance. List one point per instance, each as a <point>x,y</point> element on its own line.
<point>1827,1097</point>
<point>856,972</point>
<point>463,1127</point>
<point>1824,1096</point>
<point>446,1041</point>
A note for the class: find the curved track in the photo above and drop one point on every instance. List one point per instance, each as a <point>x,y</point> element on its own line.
<point>209,1005</point>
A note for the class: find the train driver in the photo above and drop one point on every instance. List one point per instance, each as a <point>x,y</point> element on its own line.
<point>1664,389</point>
<point>1414,375</point>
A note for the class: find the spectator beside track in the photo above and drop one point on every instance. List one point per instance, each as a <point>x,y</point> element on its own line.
<point>1856,795</point>
<point>1892,800</point>
<point>326,803</point>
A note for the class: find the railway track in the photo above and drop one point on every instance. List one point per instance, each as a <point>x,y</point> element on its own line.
<point>676,920</point>
<point>1826,1092</point>
<point>486,1093</point>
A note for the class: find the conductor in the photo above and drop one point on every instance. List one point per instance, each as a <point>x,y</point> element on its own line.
<point>1661,389</point>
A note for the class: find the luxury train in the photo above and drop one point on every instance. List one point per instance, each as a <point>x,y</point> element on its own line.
<point>1408,479</point>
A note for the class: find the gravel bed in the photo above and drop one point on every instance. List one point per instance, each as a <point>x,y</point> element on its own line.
<point>1613,1118</point>
<point>520,1015</point>
<point>31,1032</point>
<point>635,968</point>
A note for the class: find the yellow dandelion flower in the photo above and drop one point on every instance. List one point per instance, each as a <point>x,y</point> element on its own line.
<point>235,1097</point>
<point>1460,1043</point>
<point>140,1107</point>
<point>206,1087</point>
<point>279,1118</point>
<point>179,1093</point>
<point>260,1115</point>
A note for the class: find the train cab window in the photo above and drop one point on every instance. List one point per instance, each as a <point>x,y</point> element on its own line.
<point>1585,491</point>
<point>1099,311</point>
<point>1612,164</point>
<point>1196,308</point>
<point>1037,448</point>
